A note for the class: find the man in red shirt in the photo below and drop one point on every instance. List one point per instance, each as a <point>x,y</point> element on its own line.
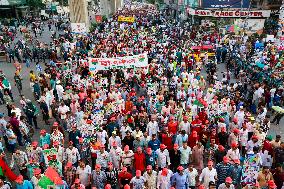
<point>167,138</point>
<point>172,125</point>
<point>139,160</point>
<point>203,116</point>
<point>193,139</point>
<point>196,121</point>
<point>124,177</point>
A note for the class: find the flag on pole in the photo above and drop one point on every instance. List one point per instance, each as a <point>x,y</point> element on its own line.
<point>6,171</point>
<point>50,178</point>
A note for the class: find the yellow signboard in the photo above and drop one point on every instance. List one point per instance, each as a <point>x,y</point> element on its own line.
<point>125,19</point>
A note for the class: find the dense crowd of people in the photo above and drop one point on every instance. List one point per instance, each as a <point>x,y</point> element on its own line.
<point>175,124</point>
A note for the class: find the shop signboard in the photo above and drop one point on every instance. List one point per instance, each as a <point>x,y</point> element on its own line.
<point>225,4</point>
<point>230,14</point>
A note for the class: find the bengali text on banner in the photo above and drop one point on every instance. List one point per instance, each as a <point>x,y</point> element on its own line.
<point>96,64</point>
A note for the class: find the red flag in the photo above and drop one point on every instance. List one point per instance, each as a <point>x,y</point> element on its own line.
<point>7,172</point>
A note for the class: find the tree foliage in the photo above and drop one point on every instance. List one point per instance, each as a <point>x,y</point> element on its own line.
<point>35,3</point>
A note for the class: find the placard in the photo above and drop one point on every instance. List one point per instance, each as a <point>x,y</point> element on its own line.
<point>125,19</point>
<point>98,18</point>
<point>250,169</point>
<point>78,27</point>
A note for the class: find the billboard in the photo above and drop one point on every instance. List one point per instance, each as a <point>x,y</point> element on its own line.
<point>225,3</point>
<point>230,14</point>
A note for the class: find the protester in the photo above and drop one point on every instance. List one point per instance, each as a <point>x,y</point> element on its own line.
<point>138,105</point>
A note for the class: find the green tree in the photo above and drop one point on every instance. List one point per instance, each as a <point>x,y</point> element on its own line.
<point>35,4</point>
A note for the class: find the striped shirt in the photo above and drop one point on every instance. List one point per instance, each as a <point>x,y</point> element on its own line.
<point>222,171</point>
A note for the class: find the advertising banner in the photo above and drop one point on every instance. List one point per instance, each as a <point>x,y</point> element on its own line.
<point>251,25</point>
<point>96,64</point>
<point>78,27</point>
<point>230,14</point>
<point>125,19</point>
<point>225,4</point>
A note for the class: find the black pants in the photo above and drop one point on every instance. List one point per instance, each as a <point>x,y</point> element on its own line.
<point>1,97</point>
<point>277,118</point>
<point>243,150</point>
<point>11,58</point>
<point>32,119</point>
<point>9,109</point>
<point>250,135</point>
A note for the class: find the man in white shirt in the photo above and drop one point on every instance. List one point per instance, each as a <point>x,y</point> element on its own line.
<point>151,177</point>
<point>240,115</point>
<point>114,138</point>
<point>115,155</point>
<point>191,176</point>
<point>60,151</point>
<point>163,156</point>
<point>228,184</point>
<point>243,138</point>
<point>36,178</point>
<point>59,90</point>
<point>17,111</point>
<point>62,110</point>
<point>72,154</point>
<point>102,157</point>
<point>252,143</point>
<point>208,174</point>
<point>185,153</point>
<point>164,179</point>
<point>4,185</point>
<point>83,172</point>
<point>185,125</point>
<point>152,127</point>
<point>233,153</point>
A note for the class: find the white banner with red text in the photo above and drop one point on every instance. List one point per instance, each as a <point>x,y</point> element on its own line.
<point>136,61</point>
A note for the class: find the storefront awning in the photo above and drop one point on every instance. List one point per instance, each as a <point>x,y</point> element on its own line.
<point>12,2</point>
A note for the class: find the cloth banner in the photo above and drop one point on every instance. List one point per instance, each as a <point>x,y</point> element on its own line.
<point>252,25</point>
<point>140,60</point>
<point>125,19</point>
<point>250,169</point>
<point>78,27</point>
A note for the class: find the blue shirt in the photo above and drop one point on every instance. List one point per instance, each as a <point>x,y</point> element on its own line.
<point>26,185</point>
<point>154,145</point>
<point>180,181</point>
<point>44,140</point>
<point>151,159</point>
<point>10,133</point>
